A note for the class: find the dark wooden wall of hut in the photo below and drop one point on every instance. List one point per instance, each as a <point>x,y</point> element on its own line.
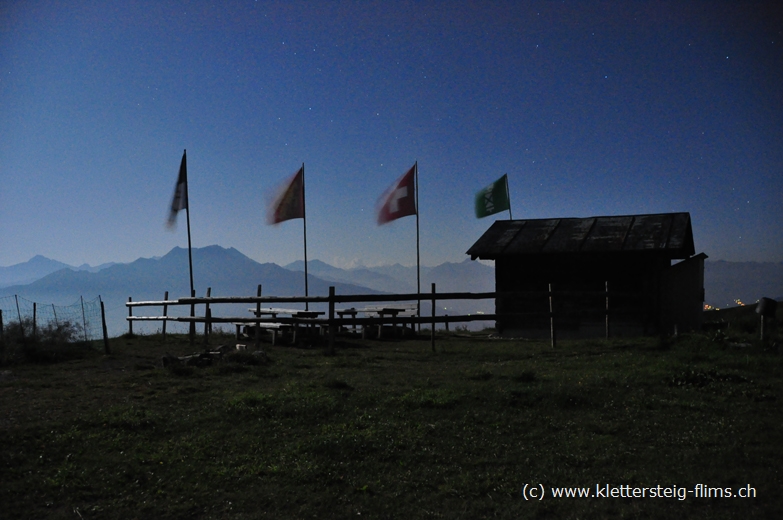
<point>578,282</point>
<point>682,296</point>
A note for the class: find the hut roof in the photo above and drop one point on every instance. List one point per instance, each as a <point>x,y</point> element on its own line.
<point>667,234</point>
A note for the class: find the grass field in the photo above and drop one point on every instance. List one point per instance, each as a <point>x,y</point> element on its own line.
<point>389,429</point>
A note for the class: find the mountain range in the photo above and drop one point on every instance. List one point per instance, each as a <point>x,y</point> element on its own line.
<point>466,276</point>
<point>228,272</point>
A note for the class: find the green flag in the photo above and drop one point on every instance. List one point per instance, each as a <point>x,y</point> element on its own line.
<point>493,199</point>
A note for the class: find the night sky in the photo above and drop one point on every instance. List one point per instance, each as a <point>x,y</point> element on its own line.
<point>591,108</point>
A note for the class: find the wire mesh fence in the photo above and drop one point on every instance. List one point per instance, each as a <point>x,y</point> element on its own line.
<point>83,315</point>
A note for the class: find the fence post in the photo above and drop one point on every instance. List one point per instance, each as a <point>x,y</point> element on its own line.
<point>19,314</point>
<point>552,334</point>
<point>105,334</point>
<point>54,311</point>
<point>257,328</point>
<point>1,325</point>
<point>35,307</point>
<point>165,313</point>
<point>130,322</point>
<point>607,309</point>
<point>432,332</point>
<point>331,319</point>
<point>192,330</point>
<point>207,323</point>
<point>84,319</point>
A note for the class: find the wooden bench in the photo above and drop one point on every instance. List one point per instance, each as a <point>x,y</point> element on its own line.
<point>352,312</point>
<point>274,329</point>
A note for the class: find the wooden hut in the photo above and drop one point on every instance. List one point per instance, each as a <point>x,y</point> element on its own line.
<point>625,260</point>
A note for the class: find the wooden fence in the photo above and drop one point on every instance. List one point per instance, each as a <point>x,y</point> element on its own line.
<point>335,319</point>
<point>332,321</point>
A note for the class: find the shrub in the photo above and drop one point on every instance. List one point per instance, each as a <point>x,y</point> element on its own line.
<point>50,343</point>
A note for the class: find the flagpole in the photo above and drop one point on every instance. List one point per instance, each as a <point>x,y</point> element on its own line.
<point>418,263</point>
<point>190,248</point>
<point>190,253</point>
<point>187,216</point>
<point>508,194</point>
<point>304,226</point>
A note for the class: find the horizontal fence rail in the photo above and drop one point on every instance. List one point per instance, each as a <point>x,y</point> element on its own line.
<point>343,298</point>
<point>370,320</point>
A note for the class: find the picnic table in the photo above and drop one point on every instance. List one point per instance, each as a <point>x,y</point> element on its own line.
<point>392,311</point>
<point>282,328</point>
<point>301,316</point>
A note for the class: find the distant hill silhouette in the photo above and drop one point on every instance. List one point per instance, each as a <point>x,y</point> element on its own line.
<point>725,282</point>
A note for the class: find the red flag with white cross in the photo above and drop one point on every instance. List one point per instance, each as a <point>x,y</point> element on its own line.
<point>399,200</point>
